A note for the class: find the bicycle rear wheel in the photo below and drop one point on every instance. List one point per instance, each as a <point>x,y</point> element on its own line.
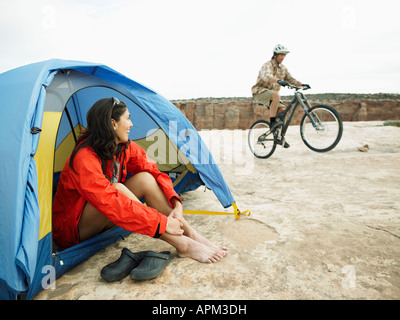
<point>261,141</point>
<point>321,129</point>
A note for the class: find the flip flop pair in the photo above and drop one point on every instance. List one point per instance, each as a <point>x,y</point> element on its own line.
<point>144,265</point>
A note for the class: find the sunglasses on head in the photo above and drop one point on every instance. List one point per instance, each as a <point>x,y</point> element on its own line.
<point>115,102</point>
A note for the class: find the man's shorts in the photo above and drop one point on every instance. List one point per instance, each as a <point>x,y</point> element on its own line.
<point>265,98</point>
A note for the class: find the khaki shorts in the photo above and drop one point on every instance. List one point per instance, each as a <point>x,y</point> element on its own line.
<point>265,98</point>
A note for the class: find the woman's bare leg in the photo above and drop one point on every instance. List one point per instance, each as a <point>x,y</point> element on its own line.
<point>191,244</point>
<point>92,222</point>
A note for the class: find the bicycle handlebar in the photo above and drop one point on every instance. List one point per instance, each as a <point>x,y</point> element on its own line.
<point>291,86</point>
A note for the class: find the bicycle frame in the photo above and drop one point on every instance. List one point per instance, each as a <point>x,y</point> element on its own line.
<point>298,99</point>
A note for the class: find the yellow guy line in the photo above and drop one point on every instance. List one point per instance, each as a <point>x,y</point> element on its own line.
<point>236,212</point>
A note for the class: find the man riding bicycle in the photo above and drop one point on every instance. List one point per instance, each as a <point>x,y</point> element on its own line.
<point>266,90</point>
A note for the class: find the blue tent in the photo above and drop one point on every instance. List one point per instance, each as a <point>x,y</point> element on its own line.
<point>43,108</point>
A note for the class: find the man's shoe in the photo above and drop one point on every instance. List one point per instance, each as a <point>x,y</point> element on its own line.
<point>273,126</point>
<point>285,145</point>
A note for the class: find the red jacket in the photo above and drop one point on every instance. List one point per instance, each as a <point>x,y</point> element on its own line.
<point>89,184</point>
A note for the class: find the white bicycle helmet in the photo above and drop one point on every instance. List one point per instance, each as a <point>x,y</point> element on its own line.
<point>281,49</point>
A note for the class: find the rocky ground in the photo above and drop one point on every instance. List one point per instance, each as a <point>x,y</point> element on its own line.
<point>322,226</point>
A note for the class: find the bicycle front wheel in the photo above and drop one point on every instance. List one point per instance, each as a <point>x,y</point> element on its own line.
<point>321,129</point>
<point>261,141</point>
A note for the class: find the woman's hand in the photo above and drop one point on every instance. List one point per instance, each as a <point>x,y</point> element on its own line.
<point>174,226</point>
<point>177,210</point>
<point>175,217</point>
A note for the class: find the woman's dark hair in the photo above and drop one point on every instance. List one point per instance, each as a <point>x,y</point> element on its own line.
<point>99,133</point>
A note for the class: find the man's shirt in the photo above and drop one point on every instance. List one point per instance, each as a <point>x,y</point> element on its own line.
<point>271,70</point>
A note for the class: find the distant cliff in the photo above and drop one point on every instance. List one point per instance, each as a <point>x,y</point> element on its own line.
<point>240,113</point>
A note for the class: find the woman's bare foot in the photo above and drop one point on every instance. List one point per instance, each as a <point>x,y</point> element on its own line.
<point>193,234</point>
<point>199,251</point>
<point>188,247</point>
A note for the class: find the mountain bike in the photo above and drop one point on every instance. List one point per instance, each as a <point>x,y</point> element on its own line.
<point>321,127</point>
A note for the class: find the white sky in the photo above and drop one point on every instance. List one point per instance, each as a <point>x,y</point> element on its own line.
<point>212,48</point>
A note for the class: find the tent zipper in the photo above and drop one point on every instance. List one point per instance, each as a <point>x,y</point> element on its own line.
<point>55,256</point>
